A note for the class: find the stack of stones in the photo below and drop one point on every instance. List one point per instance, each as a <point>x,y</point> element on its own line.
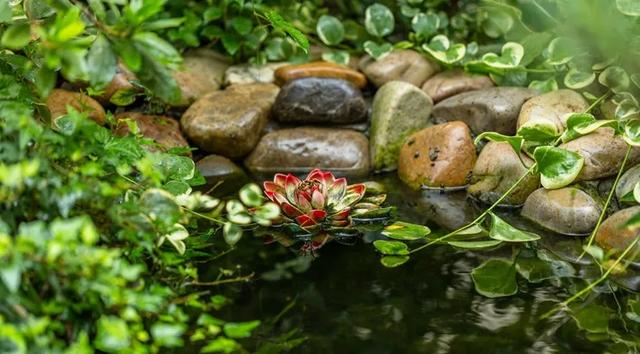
<point>396,113</point>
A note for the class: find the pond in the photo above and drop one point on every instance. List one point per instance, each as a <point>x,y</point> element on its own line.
<point>345,301</point>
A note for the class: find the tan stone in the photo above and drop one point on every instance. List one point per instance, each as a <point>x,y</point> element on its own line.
<point>202,72</point>
<point>121,82</point>
<point>319,69</point>
<point>612,234</point>
<point>552,107</point>
<point>401,65</point>
<point>449,83</point>
<point>59,99</point>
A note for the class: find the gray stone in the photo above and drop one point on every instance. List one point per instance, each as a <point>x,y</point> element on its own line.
<point>399,109</point>
<point>552,109</point>
<point>627,182</point>
<point>319,101</point>
<point>401,65</point>
<point>494,109</point>
<point>202,72</point>
<point>452,82</point>
<point>230,122</point>
<point>613,236</point>
<point>498,167</point>
<point>243,74</point>
<point>221,173</point>
<point>300,150</point>
<point>568,210</point>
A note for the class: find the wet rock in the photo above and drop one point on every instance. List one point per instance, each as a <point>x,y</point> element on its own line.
<point>627,182</point>
<point>401,65</point>
<point>568,211</point>
<point>202,72</point>
<point>244,74</point>
<point>452,82</point>
<point>230,122</point>
<point>59,99</point>
<point>319,101</point>
<point>497,169</point>
<point>613,236</point>
<point>552,107</point>
<point>221,173</point>
<point>439,156</point>
<point>300,150</point>
<point>494,109</point>
<point>448,210</point>
<point>399,109</point>
<point>287,73</point>
<point>121,84</point>
<point>163,130</point>
<point>603,152</point>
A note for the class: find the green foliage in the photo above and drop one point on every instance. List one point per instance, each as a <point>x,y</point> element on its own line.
<point>495,278</point>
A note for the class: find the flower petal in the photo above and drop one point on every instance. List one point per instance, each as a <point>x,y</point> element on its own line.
<point>280,179</point>
<point>341,215</point>
<point>289,210</point>
<point>305,220</point>
<point>302,202</point>
<point>317,199</point>
<point>336,191</point>
<point>290,185</point>
<point>359,189</point>
<point>316,174</point>
<point>318,215</point>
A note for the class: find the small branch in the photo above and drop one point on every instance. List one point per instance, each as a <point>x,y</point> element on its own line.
<point>220,282</point>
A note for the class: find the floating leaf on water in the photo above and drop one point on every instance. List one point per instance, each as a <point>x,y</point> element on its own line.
<point>391,248</point>
<point>495,278</point>
<point>406,231</point>
<point>473,245</point>
<point>592,317</point>
<point>558,167</point>
<point>501,230</point>
<point>393,261</point>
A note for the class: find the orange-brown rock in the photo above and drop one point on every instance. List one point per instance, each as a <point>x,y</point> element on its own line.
<point>613,236</point>
<point>121,82</point>
<point>449,83</point>
<point>59,99</point>
<point>165,131</point>
<point>442,155</point>
<point>319,69</point>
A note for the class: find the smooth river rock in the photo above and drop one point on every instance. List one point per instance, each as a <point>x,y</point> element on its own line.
<point>628,182</point>
<point>299,150</point>
<point>165,131</point>
<point>399,109</point>
<point>603,152</point>
<point>243,74</point>
<point>400,65</point>
<point>497,169</point>
<point>552,108</point>
<point>220,172</point>
<point>442,155</point>
<point>230,122</point>
<point>452,82</point>
<point>314,100</point>
<point>613,236</point>
<point>202,72</point>
<point>59,99</point>
<point>494,109</point>
<point>568,210</point>
<point>324,69</point>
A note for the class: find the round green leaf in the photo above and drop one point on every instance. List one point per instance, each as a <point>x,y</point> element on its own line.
<point>251,195</point>
<point>242,25</point>
<point>497,23</point>
<point>391,248</point>
<point>425,24</point>
<point>510,56</point>
<point>544,86</point>
<point>406,231</point>
<point>441,49</point>
<point>495,278</point>
<point>576,79</point>
<point>632,132</point>
<point>515,141</point>
<point>231,233</point>
<point>541,131</point>
<point>615,78</point>
<point>502,231</point>
<point>338,57</point>
<point>561,50</point>
<point>330,30</point>
<point>629,7</point>
<point>378,20</point>
<point>393,261</point>
<point>558,167</point>
<point>377,51</point>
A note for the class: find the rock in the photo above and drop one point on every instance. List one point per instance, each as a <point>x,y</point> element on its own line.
<point>202,73</point>
<point>120,84</point>
<point>603,152</point>
<point>401,65</point>
<point>163,130</point>
<point>497,169</point>
<point>627,182</point>
<point>244,74</point>
<point>230,122</point>
<point>324,69</point>
<point>612,236</point>
<point>221,173</point>
<point>439,156</point>
<point>494,109</point>
<point>300,150</point>
<point>319,101</point>
<point>452,82</point>
<point>399,109</point>
<point>552,107</point>
<point>568,210</point>
<point>448,210</point>
<point>59,99</point>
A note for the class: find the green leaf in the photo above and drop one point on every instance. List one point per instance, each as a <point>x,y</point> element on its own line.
<point>628,7</point>
<point>562,50</point>
<point>632,132</point>
<point>251,195</point>
<point>129,54</point>
<point>425,25</point>
<point>592,318</point>
<point>393,261</point>
<point>5,11</point>
<point>101,62</point>
<point>240,329</point>
<point>495,278</point>
<point>391,248</point>
<point>558,167</point>
<point>515,141</point>
<point>615,78</point>
<point>497,23</point>
<point>168,334</point>
<point>231,233</point>
<point>378,20</point>
<point>67,25</point>
<point>242,25</point>
<point>576,79</point>
<point>501,230</point>
<point>279,23</point>
<point>11,276</point>
<point>112,335</point>
<point>510,56</point>
<point>405,231</point>
<point>541,131</point>
<point>474,245</point>
<point>212,13</point>
<point>16,36</point>
<point>330,30</point>
<point>376,50</point>
<point>177,236</point>
<point>544,86</point>
<point>339,57</point>
<point>441,49</point>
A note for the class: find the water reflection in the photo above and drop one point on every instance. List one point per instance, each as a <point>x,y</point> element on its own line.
<point>493,317</point>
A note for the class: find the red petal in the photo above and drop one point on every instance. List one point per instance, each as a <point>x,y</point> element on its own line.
<point>305,220</point>
<point>342,214</point>
<point>317,200</point>
<point>289,210</point>
<point>357,189</point>
<point>302,202</point>
<point>279,179</point>
<point>336,191</point>
<point>269,186</point>
<point>318,215</point>
<point>290,186</point>
<point>316,174</point>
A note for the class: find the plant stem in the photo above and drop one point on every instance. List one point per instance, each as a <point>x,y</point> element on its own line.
<point>608,201</point>
<point>219,282</point>
<point>597,101</point>
<point>218,221</point>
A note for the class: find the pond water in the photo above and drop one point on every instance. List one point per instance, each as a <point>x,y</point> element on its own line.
<point>345,301</point>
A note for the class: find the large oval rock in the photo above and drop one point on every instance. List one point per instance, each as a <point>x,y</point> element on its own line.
<point>59,99</point>
<point>497,169</point>
<point>552,108</point>
<point>230,122</point>
<point>628,182</point>
<point>439,156</point>
<point>494,109</point>
<point>568,211</point>
<point>319,69</point>
<point>401,65</point>
<point>319,101</point>
<point>452,82</point>
<point>202,72</point>
<point>613,236</point>
<point>399,109</point>
<point>221,173</point>
<point>603,152</point>
<point>299,150</point>
<point>244,74</point>
<point>165,131</point>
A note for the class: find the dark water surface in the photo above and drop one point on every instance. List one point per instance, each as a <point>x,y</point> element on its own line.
<point>347,302</point>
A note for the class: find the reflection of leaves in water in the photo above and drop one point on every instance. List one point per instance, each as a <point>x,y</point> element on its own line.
<point>286,270</point>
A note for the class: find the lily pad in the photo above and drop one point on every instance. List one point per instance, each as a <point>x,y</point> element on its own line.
<point>393,261</point>
<point>391,248</point>
<point>406,231</point>
<point>495,278</point>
